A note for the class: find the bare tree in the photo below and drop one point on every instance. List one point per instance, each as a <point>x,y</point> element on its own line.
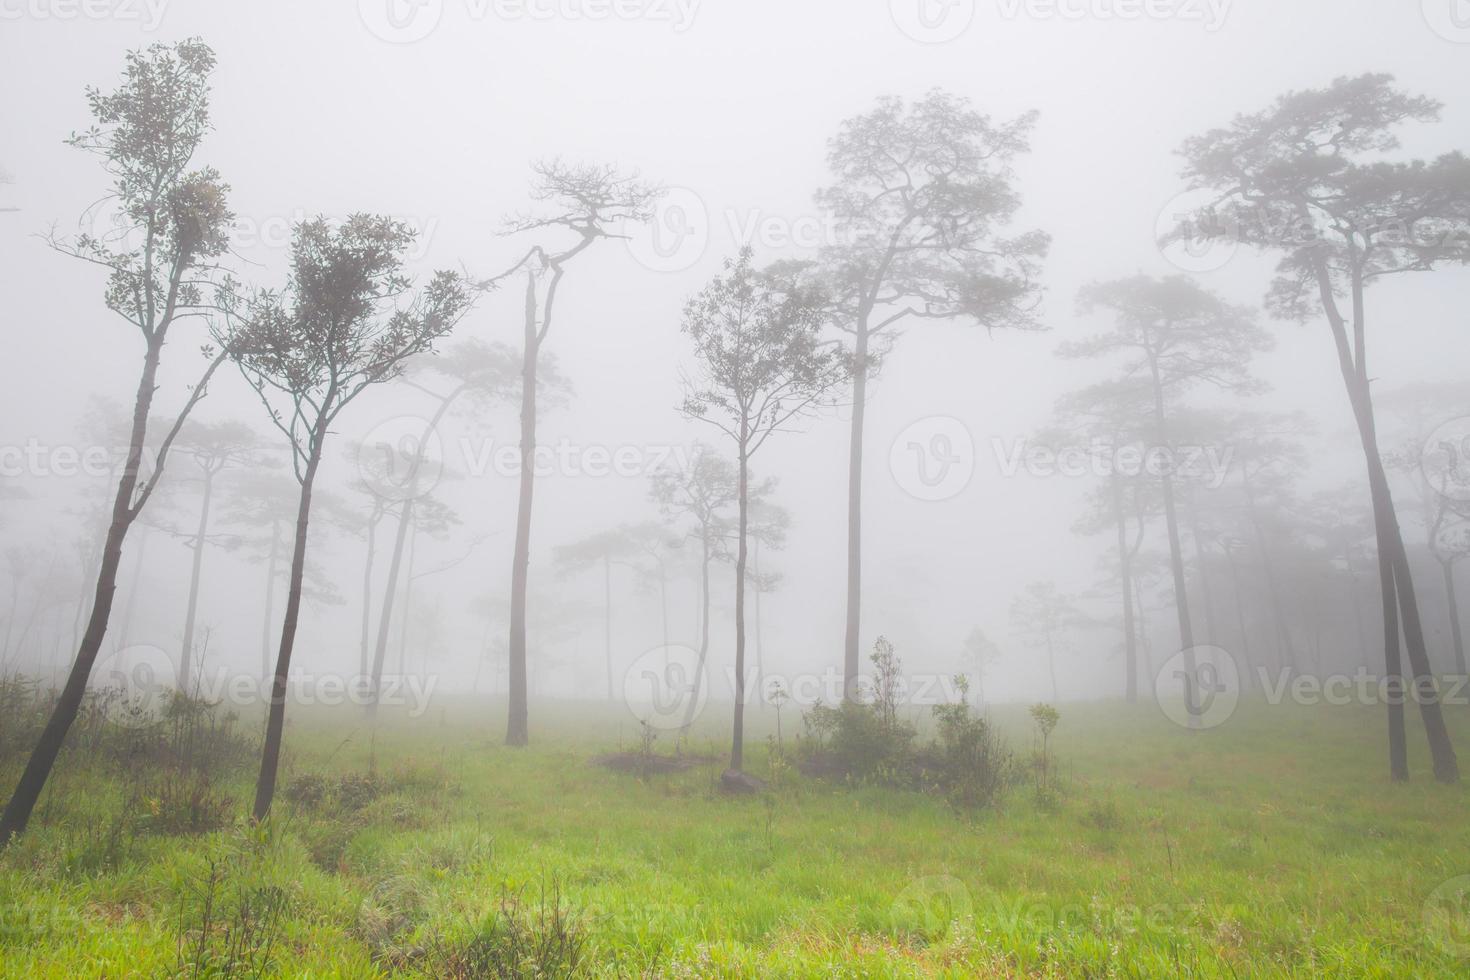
<point>344,322</point>
<point>761,366</point>
<point>585,202</point>
<point>173,223</point>
<point>921,195</point>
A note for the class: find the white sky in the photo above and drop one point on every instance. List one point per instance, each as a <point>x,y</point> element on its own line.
<point>315,114</point>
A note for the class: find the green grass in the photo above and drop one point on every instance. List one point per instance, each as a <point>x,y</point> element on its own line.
<point>1273,846</point>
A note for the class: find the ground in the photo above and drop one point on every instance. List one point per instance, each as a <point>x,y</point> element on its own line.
<point>1274,845</point>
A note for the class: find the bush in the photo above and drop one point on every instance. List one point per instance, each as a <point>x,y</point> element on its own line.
<point>967,763</point>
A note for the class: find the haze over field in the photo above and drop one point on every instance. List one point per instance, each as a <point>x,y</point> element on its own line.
<point>642,369</point>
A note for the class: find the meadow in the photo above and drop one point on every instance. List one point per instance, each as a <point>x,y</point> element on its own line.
<point>1274,845</point>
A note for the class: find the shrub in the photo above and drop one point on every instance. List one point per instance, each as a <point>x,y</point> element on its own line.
<point>866,740</point>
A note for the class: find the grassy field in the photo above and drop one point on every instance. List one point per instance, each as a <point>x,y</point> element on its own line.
<point>1273,846</point>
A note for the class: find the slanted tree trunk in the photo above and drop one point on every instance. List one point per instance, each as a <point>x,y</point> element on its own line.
<point>186,654</point>
<point>38,767</point>
<point>1396,581</point>
<point>851,664</point>
<point>1457,637</point>
<point>517,730</point>
<point>265,786</point>
<point>1398,750</point>
<point>270,599</point>
<point>390,592</point>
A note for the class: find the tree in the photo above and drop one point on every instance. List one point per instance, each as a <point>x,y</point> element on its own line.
<point>653,541</point>
<point>1307,178</point>
<point>703,492</point>
<point>585,201</point>
<point>603,550</point>
<point>343,322</point>
<point>212,447</point>
<point>173,223</point>
<point>1044,614</point>
<point>761,365</point>
<point>473,367</point>
<point>920,197</point>
<point>1114,414</point>
<point>769,522</point>
<point>980,653</point>
<point>1173,336</point>
<point>262,504</point>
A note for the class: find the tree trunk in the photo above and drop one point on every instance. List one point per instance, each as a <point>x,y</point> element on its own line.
<point>1391,541</point>
<point>517,730</point>
<point>38,767</point>
<point>270,599</point>
<point>390,593</point>
<point>1240,628</point>
<point>737,749</point>
<point>1051,666</point>
<point>413,543</point>
<point>1398,751</point>
<point>1285,649</point>
<point>1456,636</point>
<point>1201,560</point>
<point>703,629</point>
<point>1176,554</point>
<point>363,664</point>
<point>1397,584</point>
<point>125,628</point>
<point>1125,578</point>
<point>186,653</point>
<point>607,621</point>
<point>850,660</point>
<point>265,786</point>
<point>760,657</point>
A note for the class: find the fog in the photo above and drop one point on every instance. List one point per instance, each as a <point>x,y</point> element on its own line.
<point>330,109</point>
